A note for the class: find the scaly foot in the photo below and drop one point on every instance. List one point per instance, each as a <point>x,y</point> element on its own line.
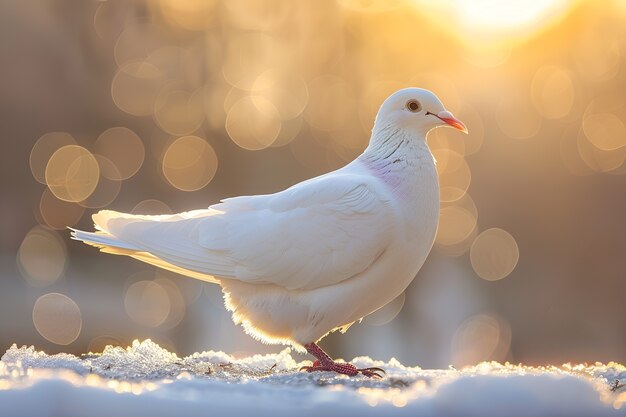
<point>345,369</point>
<point>325,363</point>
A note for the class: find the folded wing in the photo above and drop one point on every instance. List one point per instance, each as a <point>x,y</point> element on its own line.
<point>314,234</point>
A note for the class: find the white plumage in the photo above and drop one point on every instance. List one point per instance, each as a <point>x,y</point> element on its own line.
<point>318,256</point>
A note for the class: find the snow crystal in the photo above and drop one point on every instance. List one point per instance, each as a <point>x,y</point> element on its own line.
<point>145,379</point>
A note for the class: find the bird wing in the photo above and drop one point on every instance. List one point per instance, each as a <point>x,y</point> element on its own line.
<point>316,233</point>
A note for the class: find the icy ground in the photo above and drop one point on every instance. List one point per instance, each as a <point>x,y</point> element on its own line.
<point>145,379</point>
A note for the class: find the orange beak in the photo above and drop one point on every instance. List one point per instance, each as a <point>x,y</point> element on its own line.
<point>448,118</point>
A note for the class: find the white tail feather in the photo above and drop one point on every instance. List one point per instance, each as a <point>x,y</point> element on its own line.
<point>113,237</point>
<point>100,239</point>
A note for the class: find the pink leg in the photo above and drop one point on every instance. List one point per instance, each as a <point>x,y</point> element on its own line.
<point>325,363</point>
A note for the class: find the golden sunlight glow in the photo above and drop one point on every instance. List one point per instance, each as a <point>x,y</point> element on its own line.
<point>506,15</point>
<point>497,22</point>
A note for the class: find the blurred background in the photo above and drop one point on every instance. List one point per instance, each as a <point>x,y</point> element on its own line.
<point>159,106</point>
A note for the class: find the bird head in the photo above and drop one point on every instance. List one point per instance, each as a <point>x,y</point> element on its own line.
<point>416,110</point>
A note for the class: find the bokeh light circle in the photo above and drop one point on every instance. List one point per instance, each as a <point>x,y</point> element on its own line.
<point>57,318</point>
<point>456,224</point>
<point>474,140</point>
<point>494,254</point>
<point>569,152</point>
<point>99,343</point>
<point>72,173</point>
<point>124,148</point>
<point>285,90</point>
<point>179,112</point>
<point>552,92</point>
<point>58,214</point>
<point>480,338</point>
<point>43,149</point>
<point>386,313</point>
<point>599,54</point>
<point>454,174</point>
<point>109,185</point>
<point>176,301</point>
<point>605,131</point>
<point>189,163</point>
<point>151,207</point>
<point>597,159</point>
<point>106,22</point>
<point>253,123</point>
<point>42,257</point>
<point>136,41</point>
<point>289,130</point>
<point>446,139</point>
<point>147,303</point>
<point>247,56</point>
<point>135,88</point>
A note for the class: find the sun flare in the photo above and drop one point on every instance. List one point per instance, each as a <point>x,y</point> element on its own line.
<point>497,22</point>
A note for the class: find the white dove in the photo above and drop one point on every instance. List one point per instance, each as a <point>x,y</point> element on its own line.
<point>318,256</point>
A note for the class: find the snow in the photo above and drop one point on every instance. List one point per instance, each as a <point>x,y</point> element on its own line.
<point>145,379</point>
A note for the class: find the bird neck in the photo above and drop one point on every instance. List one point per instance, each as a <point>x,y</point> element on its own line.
<point>403,162</point>
<point>393,151</point>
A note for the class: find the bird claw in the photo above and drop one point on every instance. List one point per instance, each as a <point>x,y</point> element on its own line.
<point>345,369</point>
<point>373,372</point>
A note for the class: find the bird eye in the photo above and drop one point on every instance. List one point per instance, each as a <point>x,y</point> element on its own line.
<point>413,106</point>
